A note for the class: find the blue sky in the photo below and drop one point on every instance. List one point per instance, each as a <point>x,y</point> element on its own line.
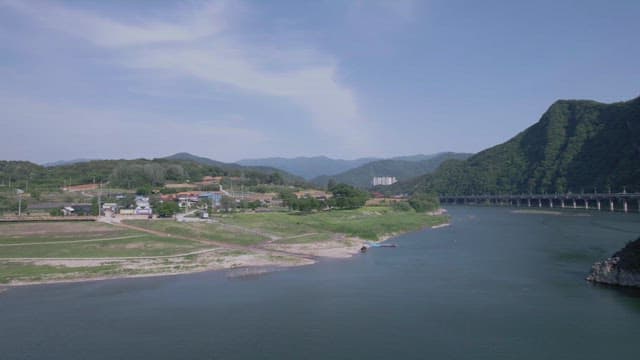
<point>243,79</point>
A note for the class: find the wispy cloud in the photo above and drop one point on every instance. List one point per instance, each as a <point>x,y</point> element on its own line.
<point>202,45</point>
<point>103,31</point>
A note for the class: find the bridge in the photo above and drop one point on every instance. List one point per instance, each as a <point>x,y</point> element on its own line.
<point>624,202</point>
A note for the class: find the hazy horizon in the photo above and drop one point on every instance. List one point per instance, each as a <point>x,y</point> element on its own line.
<point>247,79</point>
<point>78,159</point>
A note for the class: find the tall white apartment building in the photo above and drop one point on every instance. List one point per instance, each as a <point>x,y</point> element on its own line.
<point>383,180</point>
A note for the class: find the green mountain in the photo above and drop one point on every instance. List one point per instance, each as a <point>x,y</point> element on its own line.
<point>132,173</point>
<point>308,167</point>
<point>576,146</point>
<point>237,168</point>
<point>402,169</point>
<point>317,166</point>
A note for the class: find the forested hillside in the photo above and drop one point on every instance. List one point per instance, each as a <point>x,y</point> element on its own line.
<point>129,173</point>
<point>234,168</point>
<point>401,169</point>
<point>576,146</point>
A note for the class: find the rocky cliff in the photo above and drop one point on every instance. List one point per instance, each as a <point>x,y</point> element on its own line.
<point>623,268</point>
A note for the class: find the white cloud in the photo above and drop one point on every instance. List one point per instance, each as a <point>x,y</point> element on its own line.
<point>102,31</point>
<point>202,46</point>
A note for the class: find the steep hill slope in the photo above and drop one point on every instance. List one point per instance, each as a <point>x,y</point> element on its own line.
<point>577,145</point>
<point>401,169</point>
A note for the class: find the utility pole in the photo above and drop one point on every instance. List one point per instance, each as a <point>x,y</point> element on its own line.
<point>99,197</point>
<point>19,201</point>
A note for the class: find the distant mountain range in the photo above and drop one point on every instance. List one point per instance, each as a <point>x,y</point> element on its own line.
<point>577,145</point>
<point>361,176</point>
<point>66,162</point>
<point>308,167</point>
<point>316,166</point>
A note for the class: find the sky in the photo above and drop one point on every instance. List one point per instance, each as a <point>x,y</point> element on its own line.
<point>231,80</point>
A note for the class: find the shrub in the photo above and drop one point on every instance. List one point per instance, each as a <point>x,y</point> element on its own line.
<point>422,202</point>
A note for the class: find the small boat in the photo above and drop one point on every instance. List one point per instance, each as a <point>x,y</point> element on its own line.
<point>363,249</point>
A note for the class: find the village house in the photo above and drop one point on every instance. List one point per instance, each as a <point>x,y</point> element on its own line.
<point>112,207</point>
<point>142,206</point>
<point>76,209</point>
<point>317,194</point>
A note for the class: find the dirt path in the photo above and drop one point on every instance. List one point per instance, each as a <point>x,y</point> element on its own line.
<point>255,248</point>
<point>239,228</point>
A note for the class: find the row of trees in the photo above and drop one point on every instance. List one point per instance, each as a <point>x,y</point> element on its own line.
<point>344,197</point>
<point>418,202</point>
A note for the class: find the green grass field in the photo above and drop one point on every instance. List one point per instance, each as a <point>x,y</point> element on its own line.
<point>202,231</point>
<point>85,240</point>
<point>29,272</point>
<point>368,223</point>
<point>30,232</point>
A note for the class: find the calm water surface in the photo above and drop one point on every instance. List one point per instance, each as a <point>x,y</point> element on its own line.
<point>495,285</point>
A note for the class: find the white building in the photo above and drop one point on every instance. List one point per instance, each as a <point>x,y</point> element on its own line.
<point>142,206</point>
<point>384,180</point>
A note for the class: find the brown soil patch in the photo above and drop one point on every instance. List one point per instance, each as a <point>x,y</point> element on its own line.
<point>57,228</point>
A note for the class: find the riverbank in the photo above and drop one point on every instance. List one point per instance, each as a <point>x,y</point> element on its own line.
<point>41,254</point>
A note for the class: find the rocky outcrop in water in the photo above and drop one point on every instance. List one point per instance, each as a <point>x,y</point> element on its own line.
<point>622,269</point>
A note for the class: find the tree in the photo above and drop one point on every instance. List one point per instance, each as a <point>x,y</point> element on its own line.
<point>348,197</point>
<point>331,184</point>
<point>276,178</point>
<point>95,207</point>
<point>227,203</point>
<point>167,209</point>
<point>288,197</point>
<point>55,212</point>
<point>422,202</point>
<point>254,204</point>
<point>307,204</point>
<point>400,206</point>
<point>175,172</point>
<point>35,194</point>
<point>22,205</point>
<point>144,190</point>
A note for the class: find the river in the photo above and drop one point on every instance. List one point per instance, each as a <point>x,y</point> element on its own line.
<point>494,285</point>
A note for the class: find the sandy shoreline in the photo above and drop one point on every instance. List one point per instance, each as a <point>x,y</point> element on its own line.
<point>269,256</point>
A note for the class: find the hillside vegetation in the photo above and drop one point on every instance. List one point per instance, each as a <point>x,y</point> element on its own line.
<point>402,169</point>
<point>630,256</point>
<point>129,173</point>
<point>576,146</point>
